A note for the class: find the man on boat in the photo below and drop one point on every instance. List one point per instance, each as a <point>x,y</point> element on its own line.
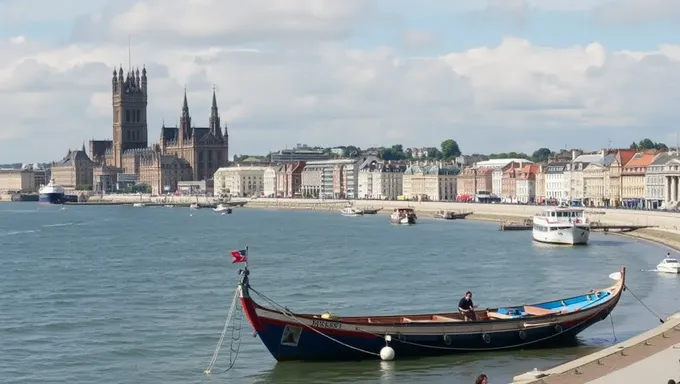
<point>466,307</point>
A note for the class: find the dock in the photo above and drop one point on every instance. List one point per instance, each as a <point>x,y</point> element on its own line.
<point>524,226</point>
<point>651,357</point>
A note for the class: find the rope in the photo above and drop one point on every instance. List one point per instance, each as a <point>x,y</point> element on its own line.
<point>288,313</point>
<point>644,305</point>
<point>232,309</point>
<point>613,330</point>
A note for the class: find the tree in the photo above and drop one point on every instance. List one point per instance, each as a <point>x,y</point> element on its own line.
<point>450,149</point>
<point>541,154</point>
<point>646,144</point>
<point>351,151</point>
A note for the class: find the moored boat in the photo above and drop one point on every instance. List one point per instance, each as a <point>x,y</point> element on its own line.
<point>194,206</point>
<point>561,225</point>
<point>309,337</point>
<point>403,216</point>
<point>221,208</point>
<point>52,193</point>
<point>349,210</point>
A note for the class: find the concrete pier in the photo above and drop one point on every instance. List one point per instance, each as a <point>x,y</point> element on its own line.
<point>651,357</point>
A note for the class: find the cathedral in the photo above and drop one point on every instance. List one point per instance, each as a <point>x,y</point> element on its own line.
<point>184,153</point>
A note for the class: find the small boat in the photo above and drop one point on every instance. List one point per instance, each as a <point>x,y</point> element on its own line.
<point>371,210</point>
<point>221,208</point>
<point>351,211</point>
<point>561,225</point>
<point>326,337</point>
<point>139,205</point>
<point>194,206</point>
<point>446,215</point>
<point>403,216</point>
<point>169,206</point>
<point>669,265</point>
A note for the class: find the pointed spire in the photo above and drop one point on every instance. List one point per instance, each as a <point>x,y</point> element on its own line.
<point>214,100</point>
<point>84,147</point>
<point>185,105</point>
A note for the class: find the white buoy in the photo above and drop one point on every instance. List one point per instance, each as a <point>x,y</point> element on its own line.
<point>387,353</point>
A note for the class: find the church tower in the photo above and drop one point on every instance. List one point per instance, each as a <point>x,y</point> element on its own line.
<point>129,94</point>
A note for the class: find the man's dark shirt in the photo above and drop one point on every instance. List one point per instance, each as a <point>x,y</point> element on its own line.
<point>465,303</point>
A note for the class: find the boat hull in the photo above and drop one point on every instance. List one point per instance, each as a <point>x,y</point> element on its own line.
<point>572,235</point>
<point>307,337</point>
<point>51,198</point>
<point>302,343</point>
<point>409,220</point>
<point>666,269</point>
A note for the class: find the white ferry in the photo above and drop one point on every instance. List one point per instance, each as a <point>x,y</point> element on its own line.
<point>561,225</point>
<point>52,193</point>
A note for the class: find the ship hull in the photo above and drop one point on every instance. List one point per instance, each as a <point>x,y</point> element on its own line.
<point>51,198</point>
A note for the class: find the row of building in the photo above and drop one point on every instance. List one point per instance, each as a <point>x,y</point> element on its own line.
<point>647,179</point>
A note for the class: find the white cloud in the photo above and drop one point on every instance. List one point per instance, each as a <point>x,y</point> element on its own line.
<point>275,94</point>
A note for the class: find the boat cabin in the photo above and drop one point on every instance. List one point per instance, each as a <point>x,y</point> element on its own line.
<point>669,261</point>
<point>563,214</point>
<point>404,210</point>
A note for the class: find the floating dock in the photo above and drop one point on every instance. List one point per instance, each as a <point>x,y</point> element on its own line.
<point>651,357</point>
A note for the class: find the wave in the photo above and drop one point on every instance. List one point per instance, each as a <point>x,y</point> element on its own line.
<point>12,233</point>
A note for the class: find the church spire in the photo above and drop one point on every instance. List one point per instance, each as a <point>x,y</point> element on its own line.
<point>215,117</point>
<point>185,119</point>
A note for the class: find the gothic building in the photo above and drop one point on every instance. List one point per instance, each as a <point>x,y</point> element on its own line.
<point>185,153</point>
<point>205,148</point>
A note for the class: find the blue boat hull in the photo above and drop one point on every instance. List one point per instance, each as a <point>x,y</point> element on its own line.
<point>313,346</point>
<point>51,198</point>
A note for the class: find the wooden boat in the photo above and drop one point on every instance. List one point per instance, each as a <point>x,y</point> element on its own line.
<point>310,337</point>
<point>371,210</point>
<point>451,215</point>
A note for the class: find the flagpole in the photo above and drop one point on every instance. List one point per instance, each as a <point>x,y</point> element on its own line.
<point>246,256</point>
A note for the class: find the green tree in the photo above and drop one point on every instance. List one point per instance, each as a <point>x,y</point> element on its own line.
<point>646,144</point>
<point>541,154</point>
<point>450,149</point>
<point>351,151</point>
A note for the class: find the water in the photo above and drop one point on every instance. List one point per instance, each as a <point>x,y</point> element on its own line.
<point>119,294</point>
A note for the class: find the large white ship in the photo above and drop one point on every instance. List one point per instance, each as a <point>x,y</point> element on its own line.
<point>561,225</point>
<point>52,193</point>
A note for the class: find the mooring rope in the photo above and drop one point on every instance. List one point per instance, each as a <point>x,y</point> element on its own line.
<point>232,309</point>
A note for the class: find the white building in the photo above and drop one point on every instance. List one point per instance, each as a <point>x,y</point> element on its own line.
<point>333,179</point>
<point>381,180</point>
<point>574,174</point>
<point>430,182</point>
<point>499,166</point>
<point>239,181</point>
<point>556,184</point>
<point>270,181</point>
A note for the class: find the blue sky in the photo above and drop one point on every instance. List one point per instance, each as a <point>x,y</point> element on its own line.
<point>361,72</point>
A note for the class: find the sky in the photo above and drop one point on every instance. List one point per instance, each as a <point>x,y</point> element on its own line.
<point>496,76</point>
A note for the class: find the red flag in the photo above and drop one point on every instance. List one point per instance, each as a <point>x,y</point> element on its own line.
<point>239,256</point>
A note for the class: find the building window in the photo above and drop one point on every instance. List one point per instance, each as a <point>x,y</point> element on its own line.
<point>127,116</point>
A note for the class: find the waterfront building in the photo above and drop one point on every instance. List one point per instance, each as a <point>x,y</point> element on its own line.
<point>471,181</point>
<point>271,183</point>
<point>574,174</point>
<point>661,181</point>
<point>540,184</point>
<point>184,152</point>
<point>509,184</point>
<point>206,149</point>
<point>595,178</point>
<point>74,171</point>
<point>525,183</point>
<point>198,187</point>
<point>556,187</point>
<point>430,182</point>
<point>17,181</point>
<point>382,180</point>
<point>239,181</point>
<point>289,179</point>
<point>622,157</point>
<point>333,179</point>
<point>633,194</point>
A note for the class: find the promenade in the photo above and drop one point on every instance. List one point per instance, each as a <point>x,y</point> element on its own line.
<point>651,357</point>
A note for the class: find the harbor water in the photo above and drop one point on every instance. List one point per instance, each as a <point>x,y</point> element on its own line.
<point>117,294</point>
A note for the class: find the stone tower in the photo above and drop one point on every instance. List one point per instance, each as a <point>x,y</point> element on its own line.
<point>129,94</point>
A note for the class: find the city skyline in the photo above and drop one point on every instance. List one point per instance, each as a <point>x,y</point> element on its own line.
<point>520,74</point>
